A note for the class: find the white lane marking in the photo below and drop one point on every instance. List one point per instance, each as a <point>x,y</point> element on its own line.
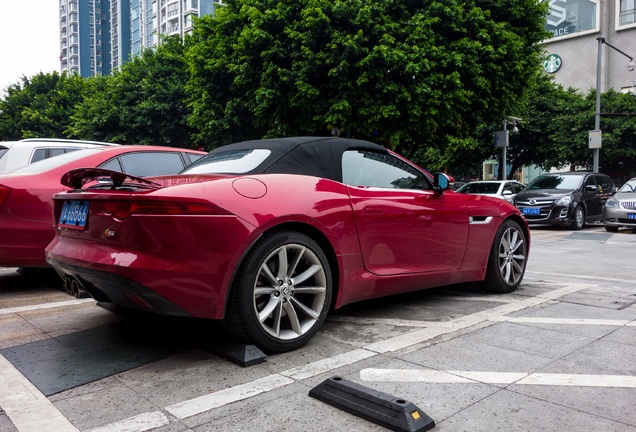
<point>45,306</point>
<point>618,381</point>
<point>391,322</point>
<point>27,408</point>
<point>435,376</point>
<point>328,364</point>
<point>207,402</point>
<point>566,321</point>
<point>138,423</point>
<point>577,276</point>
<point>454,377</point>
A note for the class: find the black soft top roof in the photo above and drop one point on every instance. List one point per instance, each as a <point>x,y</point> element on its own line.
<point>314,156</point>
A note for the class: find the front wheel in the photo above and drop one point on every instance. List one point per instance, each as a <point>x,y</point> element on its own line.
<point>611,229</point>
<point>281,293</point>
<point>578,222</point>
<point>507,259</point>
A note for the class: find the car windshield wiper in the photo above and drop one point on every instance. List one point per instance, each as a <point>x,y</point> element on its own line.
<point>77,178</point>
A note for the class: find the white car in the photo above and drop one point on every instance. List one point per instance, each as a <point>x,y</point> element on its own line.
<point>16,154</point>
<point>504,189</point>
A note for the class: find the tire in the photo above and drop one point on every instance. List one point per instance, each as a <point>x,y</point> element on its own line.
<point>281,294</point>
<point>578,221</point>
<point>611,229</point>
<point>507,259</point>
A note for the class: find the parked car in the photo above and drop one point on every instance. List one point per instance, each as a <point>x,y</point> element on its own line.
<point>620,209</point>
<point>26,224</point>
<point>503,189</point>
<point>268,235</point>
<point>569,199</point>
<point>16,154</point>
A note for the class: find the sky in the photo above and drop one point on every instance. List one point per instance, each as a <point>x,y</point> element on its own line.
<point>29,39</point>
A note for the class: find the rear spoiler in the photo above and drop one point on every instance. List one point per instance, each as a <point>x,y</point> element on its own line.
<point>79,177</point>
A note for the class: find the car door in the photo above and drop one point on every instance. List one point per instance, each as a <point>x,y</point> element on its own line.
<point>403,225</point>
<point>591,197</point>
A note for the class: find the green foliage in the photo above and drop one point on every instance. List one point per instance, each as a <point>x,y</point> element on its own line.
<point>406,74</point>
<point>141,104</point>
<point>39,106</point>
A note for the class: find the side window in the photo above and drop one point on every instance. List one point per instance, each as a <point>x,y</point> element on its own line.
<point>590,182</point>
<point>54,151</point>
<point>518,187</point>
<point>145,164</point>
<point>38,155</point>
<point>604,183</point>
<point>192,157</point>
<point>508,188</point>
<point>365,168</point>
<point>112,164</point>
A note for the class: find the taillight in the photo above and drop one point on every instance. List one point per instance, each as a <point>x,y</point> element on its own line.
<point>124,209</point>
<point>4,193</point>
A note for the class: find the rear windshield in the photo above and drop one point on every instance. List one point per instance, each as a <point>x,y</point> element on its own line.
<point>230,162</point>
<point>563,182</point>
<point>53,162</point>
<point>3,150</point>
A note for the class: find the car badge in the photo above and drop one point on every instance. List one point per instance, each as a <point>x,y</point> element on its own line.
<point>109,233</point>
<point>532,202</point>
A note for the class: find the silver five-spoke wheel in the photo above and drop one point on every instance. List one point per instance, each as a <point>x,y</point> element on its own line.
<point>290,291</point>
<point>282,292</point>
<point>507,259</point>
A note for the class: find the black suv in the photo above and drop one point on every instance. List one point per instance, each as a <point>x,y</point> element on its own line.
<point>567,199</point>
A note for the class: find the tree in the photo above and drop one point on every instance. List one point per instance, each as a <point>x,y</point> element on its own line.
<point>141,104</point>
<point>407,74</point>
<point>39,106</point>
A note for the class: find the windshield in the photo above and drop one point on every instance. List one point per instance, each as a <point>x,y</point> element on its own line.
<point>229,162</point>
<point>628,187</point>
<point>55,161</point>
<point>479,188</point>
<point>560,182</point>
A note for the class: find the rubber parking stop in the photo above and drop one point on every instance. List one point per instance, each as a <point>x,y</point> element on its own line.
<point>242,354</point>
<point>372,405</point>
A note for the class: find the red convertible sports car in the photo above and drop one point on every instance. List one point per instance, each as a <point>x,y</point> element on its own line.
<point>269,235</point>
<point>26,194</point>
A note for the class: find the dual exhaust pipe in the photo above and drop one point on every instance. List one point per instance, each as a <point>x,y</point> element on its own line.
<point>74,287</point>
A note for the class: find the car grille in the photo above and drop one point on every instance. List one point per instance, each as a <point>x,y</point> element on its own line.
<point>629,205</point>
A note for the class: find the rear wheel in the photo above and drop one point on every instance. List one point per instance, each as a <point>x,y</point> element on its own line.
<point>281,294</point>
<point>507,260</point>
<point>578,222</point>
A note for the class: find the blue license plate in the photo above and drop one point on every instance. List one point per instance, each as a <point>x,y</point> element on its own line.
<point>631,215</point>
<point>74,214</point>
<point>530,211</point>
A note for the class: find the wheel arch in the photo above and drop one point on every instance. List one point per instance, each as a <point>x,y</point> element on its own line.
<point>310,231</point>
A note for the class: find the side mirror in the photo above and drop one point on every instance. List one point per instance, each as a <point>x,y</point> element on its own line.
<point>590,188</point>
<point>506,192</point>
<point>441,182</point>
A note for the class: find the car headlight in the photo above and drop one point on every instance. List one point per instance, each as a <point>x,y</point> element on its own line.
<point>565,201</point>
<point>612,203</point>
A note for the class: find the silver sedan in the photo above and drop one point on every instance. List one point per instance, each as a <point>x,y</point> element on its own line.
<point>620,209</point>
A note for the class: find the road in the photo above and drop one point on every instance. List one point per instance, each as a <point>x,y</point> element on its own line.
<point>556,355</point>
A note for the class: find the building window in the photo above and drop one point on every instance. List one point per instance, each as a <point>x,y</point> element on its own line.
<point>569,18</point>
<point>626,11</point>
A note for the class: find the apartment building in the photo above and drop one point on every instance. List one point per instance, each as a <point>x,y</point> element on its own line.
<point>98,36</point>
